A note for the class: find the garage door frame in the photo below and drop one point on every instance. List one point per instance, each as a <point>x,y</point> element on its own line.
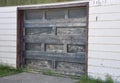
<point>20,15</point>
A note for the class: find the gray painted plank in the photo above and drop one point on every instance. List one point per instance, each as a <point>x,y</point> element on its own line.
<point>39,31</point>
<point>71,31</point>
<point>32,25</point>
<point>71,20</point>
<point>60,22</point>
<point>51,39</point>
<point>73,57</point>
<point>77,55</point>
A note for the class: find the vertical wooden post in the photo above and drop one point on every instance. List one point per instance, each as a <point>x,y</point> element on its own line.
<point>19,38</point>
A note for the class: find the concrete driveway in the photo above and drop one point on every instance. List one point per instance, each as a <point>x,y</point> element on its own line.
<point>34,78</point>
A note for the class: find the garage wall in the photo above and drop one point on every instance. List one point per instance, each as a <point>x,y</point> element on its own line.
<point>104,38</point>
<point>8,22</point>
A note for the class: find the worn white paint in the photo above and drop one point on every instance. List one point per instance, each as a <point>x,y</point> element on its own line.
<point>8,22</point>
<point>108,48</point>
<point>6,43</point>
<point>8,32</point>
<point>105,9</point>
<point>104,40</point>
<point>8,37</point>
<point>104,32</point>
<point>99,70</point>
<point>104,24</point>
<point>105,17</point>
<point>8,15</point>
<point>103,37</point>
<point>7,9</point>
<point>7,26</point>
<point>104,55</point>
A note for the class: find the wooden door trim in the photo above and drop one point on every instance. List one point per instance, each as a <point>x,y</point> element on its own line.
<point>19,38</point>
<point>79,4</point>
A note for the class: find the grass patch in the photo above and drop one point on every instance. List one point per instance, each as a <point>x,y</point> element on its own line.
<point>48,72</point>
<point>93,80</point>
<point>7,70</point>
<point>26,2</point>
<point>51,73</point>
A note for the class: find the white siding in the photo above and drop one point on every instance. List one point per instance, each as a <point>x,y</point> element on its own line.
<point>7,26</point>
<point>104,32</point>
<point>104,9</point>
<point>104,38</point>
<point>105,17</point>
<point>8,15</point>
<point>105,24</point>
<point>8,22</point>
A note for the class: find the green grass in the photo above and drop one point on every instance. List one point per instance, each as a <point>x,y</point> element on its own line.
<point>26,2</point>
<point>47,72</point>
<point>93,80</point>
<point>7,70</point>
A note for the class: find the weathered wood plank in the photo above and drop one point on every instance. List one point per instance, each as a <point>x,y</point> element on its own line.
<point>71,31</point>
<point>70,20</point>
<point>76,48</point>
<point>57,48</point>
<point>56,30</point>
<point>70,68</point>
<point>39,31</point>
<point>74,73</point>
<point>29,25</point>
<point>68,39</point>
<point>39,53</point>
<point>39,64</point>
<point>60,22</point>
<point>69,57</point>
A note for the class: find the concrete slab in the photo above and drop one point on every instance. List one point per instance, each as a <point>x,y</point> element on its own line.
<point>34,78</point>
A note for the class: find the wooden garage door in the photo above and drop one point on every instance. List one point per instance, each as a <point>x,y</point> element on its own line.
<point>56,39</point>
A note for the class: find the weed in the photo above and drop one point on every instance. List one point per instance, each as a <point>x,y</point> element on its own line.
<point>7,70</point>
<point>108,79</point>
<point>85,79</point>
<point>48,72</point>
